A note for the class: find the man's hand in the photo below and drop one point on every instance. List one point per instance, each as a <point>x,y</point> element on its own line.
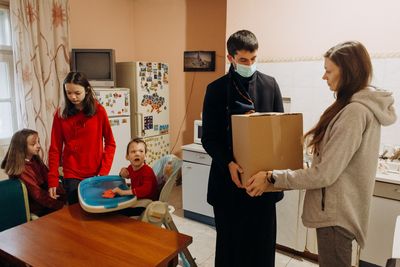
<point>124,173</point>
<point>234,170</point>
<point>258,183</point>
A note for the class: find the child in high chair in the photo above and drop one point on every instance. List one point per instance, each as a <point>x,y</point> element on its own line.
<point>23,162</point>
<point>143,179</point>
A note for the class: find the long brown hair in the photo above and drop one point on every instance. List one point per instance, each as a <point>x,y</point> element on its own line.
<point>89,102</point>
<point>355,67</point>
<point>14,161</point>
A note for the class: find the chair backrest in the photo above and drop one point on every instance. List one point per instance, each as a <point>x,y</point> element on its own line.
<point>14,207</point>
<point>158,168</point>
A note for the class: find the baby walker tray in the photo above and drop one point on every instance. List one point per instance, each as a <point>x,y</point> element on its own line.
<point>90,193</point>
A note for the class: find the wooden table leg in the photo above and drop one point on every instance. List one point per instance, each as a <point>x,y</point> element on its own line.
<point>173,262</point>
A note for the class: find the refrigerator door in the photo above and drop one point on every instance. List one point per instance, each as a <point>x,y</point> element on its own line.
<point>114,100</point>
<point>149,86</point>
<point>127,77</point>
<point>121,127</point>
<point>152,91</point>
<point>157,146</point>
<point>116,103</point>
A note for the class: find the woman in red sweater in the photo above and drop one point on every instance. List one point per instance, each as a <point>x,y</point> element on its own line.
<point>22,161</point>
<point>82,141</point>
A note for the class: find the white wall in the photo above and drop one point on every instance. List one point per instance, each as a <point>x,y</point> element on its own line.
<point>287,28</point>
<point>302,82</point>
<point>293,36</point>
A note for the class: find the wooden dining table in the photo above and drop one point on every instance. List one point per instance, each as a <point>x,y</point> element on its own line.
<point>73,237</point>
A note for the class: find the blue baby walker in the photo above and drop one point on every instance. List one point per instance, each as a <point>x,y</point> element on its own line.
<point>90,193</point>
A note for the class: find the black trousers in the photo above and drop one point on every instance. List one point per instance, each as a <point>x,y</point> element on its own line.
<point>246,232</point>
<point>71,188</point>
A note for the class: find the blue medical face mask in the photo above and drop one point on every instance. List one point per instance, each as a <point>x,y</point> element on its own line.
<point>246,71</point>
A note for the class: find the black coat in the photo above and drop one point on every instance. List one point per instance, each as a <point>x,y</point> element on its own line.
<point>220,103</point>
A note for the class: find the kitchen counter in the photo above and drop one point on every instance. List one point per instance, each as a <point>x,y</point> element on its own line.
<point>194,147</point>
<point>392,178</point>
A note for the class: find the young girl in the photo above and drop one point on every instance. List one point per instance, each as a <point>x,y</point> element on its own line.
<point>22,161</point>
<point>82,141</point>
<point>345,142</point>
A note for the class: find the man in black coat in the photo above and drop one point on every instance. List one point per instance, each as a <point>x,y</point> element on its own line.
<point>246,226</point>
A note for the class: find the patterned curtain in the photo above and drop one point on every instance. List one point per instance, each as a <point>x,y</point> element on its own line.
<point>41,52</point>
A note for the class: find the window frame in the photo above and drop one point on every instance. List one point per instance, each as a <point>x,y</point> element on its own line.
<point>6,55</point>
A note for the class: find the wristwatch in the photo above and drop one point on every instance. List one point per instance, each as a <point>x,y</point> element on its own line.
<point>271,179</point>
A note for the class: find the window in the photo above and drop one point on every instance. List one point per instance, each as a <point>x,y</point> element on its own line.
<point>8,121</point>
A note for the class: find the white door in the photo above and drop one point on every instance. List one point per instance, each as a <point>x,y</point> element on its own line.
<point>121,127</point>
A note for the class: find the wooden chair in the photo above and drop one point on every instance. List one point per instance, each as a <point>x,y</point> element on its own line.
<point>14,208</point>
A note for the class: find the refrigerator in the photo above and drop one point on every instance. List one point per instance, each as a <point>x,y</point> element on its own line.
<point>116,103</point>
<point>149,95</point>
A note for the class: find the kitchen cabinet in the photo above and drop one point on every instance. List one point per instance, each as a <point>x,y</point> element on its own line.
<point>291,232</point>
<point>195,172</point>
<point>385,207</point>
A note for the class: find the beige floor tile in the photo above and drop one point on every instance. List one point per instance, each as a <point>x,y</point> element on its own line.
<point>203,246</point>
<point>281,260</point>
<point>296,262</point>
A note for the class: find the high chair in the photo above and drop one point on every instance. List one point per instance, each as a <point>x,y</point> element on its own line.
<point>157,212</point>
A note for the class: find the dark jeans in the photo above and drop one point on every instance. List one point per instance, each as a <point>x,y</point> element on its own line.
<point>132,211</point>
<point>334,246</point>
<point>246,232</point>
<point>71,188</point>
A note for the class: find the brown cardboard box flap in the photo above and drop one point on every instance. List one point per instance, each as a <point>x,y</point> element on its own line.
<point>258,114</point>
<point>267,141</point>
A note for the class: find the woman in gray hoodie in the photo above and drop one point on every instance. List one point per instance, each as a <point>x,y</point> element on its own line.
<point>345,144</point>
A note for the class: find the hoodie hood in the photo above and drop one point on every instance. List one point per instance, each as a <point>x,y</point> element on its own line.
<point>380,102</point>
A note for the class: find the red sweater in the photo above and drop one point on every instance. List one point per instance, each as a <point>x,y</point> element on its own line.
<point>78,142</point>
<point>143,182</point>
<point>34,177</point>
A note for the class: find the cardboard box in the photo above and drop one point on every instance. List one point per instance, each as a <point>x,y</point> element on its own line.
<point>267,141</point>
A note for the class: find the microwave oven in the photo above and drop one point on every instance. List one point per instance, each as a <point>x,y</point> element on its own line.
<point>198,131</point>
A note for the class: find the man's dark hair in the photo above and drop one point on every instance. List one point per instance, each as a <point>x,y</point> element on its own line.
<point>242,40</point>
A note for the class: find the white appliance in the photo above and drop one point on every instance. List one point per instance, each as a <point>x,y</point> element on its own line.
<point>116,102</point>
<point>148,84</point>
<point>195,171</point>
<point>197,131</point>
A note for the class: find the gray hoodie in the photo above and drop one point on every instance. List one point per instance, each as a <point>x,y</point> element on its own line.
<point>341,179</point>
